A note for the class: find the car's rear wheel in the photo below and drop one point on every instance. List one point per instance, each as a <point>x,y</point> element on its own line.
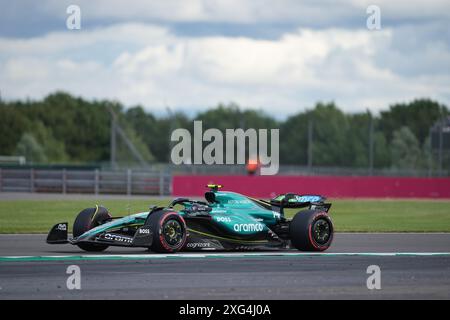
<point>86,220</point>
<point>311,230</point>
<point>169,231</point>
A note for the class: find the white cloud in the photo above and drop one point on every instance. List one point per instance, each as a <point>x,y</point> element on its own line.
<point>149,65</point>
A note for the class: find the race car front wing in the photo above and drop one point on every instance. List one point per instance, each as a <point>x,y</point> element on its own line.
<point>143,237</point>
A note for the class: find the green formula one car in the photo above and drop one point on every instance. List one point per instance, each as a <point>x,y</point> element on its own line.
<point>225,221</point>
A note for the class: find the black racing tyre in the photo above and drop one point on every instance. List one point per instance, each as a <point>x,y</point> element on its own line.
<point>88,219</point>
<point>311,230</point>
<point>169,231</point>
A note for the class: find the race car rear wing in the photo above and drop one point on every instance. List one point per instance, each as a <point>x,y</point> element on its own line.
<point>292,201</point>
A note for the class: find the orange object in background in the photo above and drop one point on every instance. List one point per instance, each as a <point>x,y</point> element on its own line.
<point>252,166</point>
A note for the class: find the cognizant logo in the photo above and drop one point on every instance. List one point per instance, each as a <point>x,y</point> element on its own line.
<point>248,227</point>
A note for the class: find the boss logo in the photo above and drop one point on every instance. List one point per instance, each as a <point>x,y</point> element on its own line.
<point>144,231</point>
<point>223,219</point>
<point>248,227</point>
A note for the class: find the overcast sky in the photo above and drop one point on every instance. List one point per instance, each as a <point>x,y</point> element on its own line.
<point>281,56</point>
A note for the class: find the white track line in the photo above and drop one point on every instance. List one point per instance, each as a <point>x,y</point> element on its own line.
<point>218,255</point>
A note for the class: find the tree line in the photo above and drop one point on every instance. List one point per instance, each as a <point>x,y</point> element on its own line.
<point>65,129</point>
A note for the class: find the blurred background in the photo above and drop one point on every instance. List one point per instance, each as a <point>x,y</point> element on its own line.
<point>91,109</point>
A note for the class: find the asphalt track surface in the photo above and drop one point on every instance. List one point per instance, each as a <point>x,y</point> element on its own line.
<point>413,266</point>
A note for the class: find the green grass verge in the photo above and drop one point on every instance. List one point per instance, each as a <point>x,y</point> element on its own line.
<point>37,216</point>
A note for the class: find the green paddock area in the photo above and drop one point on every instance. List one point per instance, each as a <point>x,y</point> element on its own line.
<point>37,216</point>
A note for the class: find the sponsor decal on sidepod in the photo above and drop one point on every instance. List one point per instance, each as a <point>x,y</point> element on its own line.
<point>248,227</point>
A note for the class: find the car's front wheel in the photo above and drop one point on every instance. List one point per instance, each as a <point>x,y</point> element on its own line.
<point>169,231</point>
<point>311,230</point>
<point>88,219</point>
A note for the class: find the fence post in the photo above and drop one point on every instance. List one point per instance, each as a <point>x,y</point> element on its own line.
<point>96,181</point>
<point>128,182</point>
<point>170,182</point>
<point>64,181</point>
<point>161,183</point>
<point>31,180</point>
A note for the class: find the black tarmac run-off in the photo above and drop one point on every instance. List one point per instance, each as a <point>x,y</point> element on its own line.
<point>317,277</point>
